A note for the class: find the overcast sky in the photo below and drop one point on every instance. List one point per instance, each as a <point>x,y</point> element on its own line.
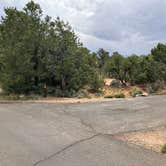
<point>127,26</point>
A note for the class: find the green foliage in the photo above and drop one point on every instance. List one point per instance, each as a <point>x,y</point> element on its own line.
<point>103,58</point>
<point>115,84</point>
<point>36,52</point>
<point>109,96</point>
<point>159,53</point>
<point>154,87</point>
<point>134,72</point>
<point>95,83</point>
<point>18,97</point>
<point>163,149</point>
<point>82,93</point>
<point>118,68</point>
<point>134,92</point>
<point>136,69</point>
<point>119,95</point>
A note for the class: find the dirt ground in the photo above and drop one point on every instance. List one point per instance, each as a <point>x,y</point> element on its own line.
<point>112,91</point>
<point>67,100</point>
<point>153,139</point>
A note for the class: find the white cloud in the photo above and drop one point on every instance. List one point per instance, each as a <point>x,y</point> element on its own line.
<point>135,44</point>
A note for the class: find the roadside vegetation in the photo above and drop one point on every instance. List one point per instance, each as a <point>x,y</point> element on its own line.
<point>163,150</point>
<point>136,92</point>
<point>40,56</point>
<point>118,95</point>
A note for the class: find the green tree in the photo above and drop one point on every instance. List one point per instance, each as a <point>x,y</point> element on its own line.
<point>37,51</point>
<point>134,68</point>
<point>118,68</point>
<point>159,53</point>
<point>103,60</point>
<point>16,68</point>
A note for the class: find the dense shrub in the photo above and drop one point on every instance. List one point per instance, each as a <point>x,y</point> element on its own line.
<point>119,95</point>
<point>18,97</point>
<point>96,83</point>
<point>109,96</point>
<point>134,92</point>
<point>154,87</point>
<point>115,84</point>
<point>44,52</point>
<point>163,149</point>
<point>83,93</point>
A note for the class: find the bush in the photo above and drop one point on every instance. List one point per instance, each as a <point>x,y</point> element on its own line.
<point>109,96</point>
<point>83,93</point>
<point>115,84</point>
<point>95,82</point>
<point>157,85</point>
<point>19,97</point>
<point>154,87</point>
<point>120,95</point>
<point>149,90</point>
<point>163,149</point>
<point>134,92</point>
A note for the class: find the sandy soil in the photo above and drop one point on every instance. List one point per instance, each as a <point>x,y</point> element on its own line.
<point>55,100</point>
<point>153,139</point>
<point>68,100</point>
<point>113,91</point>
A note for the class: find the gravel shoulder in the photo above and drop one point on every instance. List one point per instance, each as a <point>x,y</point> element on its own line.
<point>152,139</point>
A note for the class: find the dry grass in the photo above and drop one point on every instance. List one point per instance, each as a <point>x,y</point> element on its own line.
<point>113,91</point>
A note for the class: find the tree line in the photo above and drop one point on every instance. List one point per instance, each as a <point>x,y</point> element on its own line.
<point>37,53</point>
<point>134,69</point>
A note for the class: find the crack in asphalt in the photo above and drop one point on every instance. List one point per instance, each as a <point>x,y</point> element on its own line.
<point>100,133</point>
<point>64,149</point>
<point>93,131</point>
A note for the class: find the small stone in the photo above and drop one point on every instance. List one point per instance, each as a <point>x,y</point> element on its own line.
<point>145,94</point>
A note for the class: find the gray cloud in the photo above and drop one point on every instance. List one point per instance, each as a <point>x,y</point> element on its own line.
<point>126,26</point>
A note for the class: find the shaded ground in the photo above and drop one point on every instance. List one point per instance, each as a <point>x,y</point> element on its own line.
<point>80,134</point>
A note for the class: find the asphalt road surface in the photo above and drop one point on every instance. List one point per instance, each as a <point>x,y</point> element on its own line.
<point>41,134</point>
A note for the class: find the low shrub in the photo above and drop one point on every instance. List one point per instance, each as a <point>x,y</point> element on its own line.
<point>96,83</point>
<point>149,89</point>
<point>135,92</point>
<point>19,97</point>
<point>83,93</point>
<point>115,84</point>
<point>120,95</point>
<point>109,96</point>
<point>163,149</point>
<point>154,87</point>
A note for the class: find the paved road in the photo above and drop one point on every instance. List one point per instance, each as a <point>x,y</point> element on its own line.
<point>43,134</point>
